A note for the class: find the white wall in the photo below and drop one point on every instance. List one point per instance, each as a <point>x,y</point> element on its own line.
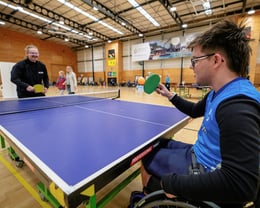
<point>84,58</point>
<point>8,88</point>
<point>85,55</point>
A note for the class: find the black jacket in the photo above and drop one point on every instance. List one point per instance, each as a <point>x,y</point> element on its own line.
<point>25,73</point>
<point>237,179</point>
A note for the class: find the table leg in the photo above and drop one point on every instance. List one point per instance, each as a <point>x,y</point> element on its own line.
<point>117,189</point>
<point>12,154</point>
<point>47,196</point>
<point>2,142</point>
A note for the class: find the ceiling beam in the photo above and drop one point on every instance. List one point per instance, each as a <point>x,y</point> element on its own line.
<point>167,5</point>
<point>57,17</point>
<point>110,14</point>
<point>243,8</point>
<point>239,11</point>
<point>34,27</point>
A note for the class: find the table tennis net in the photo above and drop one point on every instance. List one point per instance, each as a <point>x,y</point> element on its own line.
<point>41,103</point>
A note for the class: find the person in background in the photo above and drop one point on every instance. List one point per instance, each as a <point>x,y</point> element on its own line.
<point>80,79</point>
<point>167,82</point>
<point>28,72</point>
<point>226,151</point>
<point>71,80</point>
<point>61,81</point>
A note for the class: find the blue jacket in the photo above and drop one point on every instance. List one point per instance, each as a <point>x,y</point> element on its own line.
<point>207,147</point>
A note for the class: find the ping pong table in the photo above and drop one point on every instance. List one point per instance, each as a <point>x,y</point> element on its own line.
<point>76,145</point>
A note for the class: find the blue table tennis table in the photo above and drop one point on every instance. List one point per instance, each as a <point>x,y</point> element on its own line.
<point>76,145</point>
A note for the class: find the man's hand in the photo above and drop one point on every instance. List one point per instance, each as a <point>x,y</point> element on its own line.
<point>171,196</point>
<point>162,90</point>
<point>30,88</point>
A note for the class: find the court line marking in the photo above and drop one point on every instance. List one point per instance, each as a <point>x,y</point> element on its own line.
<point>190,129</point>
<point>122,116</point>
<point>23,182</point>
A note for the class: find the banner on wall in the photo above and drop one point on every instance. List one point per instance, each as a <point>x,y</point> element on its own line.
<point>111,57</point>
<point>141,52</point>
<point>172,48</point>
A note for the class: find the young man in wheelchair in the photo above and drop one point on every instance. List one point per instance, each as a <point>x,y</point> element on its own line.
<point>226,151</point>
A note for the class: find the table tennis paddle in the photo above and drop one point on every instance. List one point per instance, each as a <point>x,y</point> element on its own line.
<point>38,88</point>
<point>151,83</point>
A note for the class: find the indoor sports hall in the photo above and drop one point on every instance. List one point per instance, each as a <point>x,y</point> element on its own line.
<point>109,71</point>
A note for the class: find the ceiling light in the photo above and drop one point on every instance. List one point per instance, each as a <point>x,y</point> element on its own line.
<point>184,26</point>
<point>173,9</point>
<point>143,12</point>
<point>207,8</point>
<point>140,35</point>
<point>110,27</point>
<point>134,3</point>
<point>2,23</point>
<point>78,9</point>
<point>87,36</point>
<point>95,8</point>
<point>66,39</point>
<point>39,32</point>
<point>20,9</point>
<point>251,11</point>
<point>88,15</point>
<point>208,12</point>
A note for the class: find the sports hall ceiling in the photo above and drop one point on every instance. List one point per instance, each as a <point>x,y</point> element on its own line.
<point>80,24</point>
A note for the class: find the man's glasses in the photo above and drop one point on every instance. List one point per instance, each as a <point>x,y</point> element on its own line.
<point>195,59</point>
<point>33,53</point>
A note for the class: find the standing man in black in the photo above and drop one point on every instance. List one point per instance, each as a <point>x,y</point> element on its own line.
<point>28,72</point>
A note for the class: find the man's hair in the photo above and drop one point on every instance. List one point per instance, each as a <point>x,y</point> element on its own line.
<point>230,39</point>
<point>28,47</point>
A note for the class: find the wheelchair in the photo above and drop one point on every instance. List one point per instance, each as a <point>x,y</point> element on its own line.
<point>158,199</point>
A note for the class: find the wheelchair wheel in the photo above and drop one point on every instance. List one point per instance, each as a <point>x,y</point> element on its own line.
<point>167,203</point>
<point>158,199</point>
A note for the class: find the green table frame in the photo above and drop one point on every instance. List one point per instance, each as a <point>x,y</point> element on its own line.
<point>92,202</point>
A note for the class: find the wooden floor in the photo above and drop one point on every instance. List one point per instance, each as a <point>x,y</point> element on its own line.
<point>18,185</point>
